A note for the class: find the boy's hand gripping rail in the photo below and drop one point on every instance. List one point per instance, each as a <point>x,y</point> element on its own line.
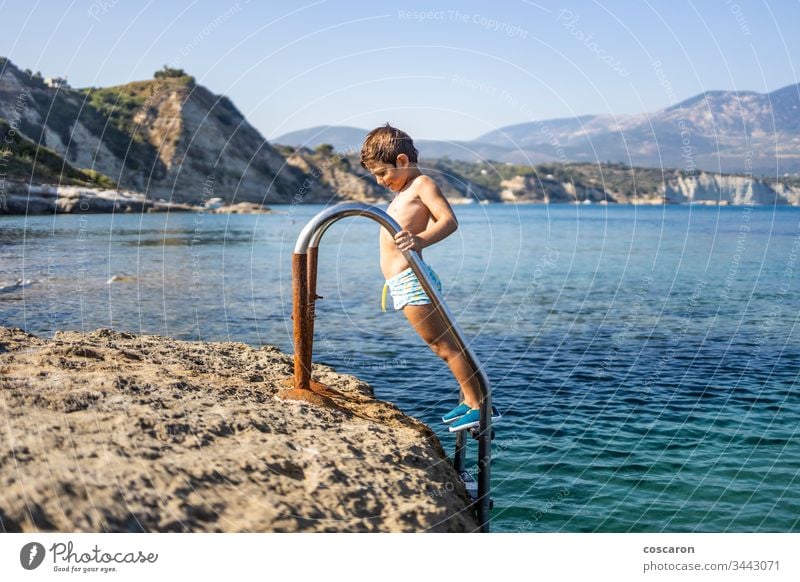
<point>304,278</point>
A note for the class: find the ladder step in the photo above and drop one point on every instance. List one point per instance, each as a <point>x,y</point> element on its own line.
<point>476,433</point>
<point>472,487</point>
<point>470,483</point>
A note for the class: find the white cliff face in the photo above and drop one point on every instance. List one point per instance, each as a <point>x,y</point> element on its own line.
<point>162,124</point>
<point>703,188</point>
<point>530,188</point>
<point>513,189</point>
<point>728,189</point>
<point>790,193</point>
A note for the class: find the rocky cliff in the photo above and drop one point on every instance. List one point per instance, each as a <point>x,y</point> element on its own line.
<point>168,138</point>
<point>341,173</point>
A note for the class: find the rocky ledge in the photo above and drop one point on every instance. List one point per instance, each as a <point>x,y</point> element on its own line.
<point>109,431</point>
<point>24,199</point>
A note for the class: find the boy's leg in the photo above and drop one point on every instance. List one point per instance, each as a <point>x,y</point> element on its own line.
<point>434,331</point>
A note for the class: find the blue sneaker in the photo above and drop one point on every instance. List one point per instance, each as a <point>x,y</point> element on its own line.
<point>472,419</point>
<point>455,414</point>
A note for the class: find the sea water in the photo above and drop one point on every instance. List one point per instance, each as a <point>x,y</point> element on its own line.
<point>645,359</point>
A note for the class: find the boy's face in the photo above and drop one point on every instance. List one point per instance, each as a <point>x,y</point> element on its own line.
<point>391,176</point>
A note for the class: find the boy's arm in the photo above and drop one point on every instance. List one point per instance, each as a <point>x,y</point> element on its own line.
<point>444,220</point>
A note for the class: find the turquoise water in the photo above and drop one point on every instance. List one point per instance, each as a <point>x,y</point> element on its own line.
<point>645,359</point>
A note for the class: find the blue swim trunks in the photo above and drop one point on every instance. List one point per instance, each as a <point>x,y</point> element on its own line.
<point>407,290</point>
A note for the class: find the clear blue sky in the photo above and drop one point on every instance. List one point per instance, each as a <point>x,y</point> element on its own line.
<point>460,70</point>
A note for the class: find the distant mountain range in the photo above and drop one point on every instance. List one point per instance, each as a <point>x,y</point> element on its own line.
<point>349,139</point>
<point>717,131</point>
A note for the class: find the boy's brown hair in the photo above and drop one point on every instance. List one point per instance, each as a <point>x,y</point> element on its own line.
<point>384,144</point>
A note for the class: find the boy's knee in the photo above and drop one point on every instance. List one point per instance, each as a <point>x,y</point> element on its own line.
<point>443,349</point>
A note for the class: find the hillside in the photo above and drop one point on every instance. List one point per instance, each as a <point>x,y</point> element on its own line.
<point>341,173</point>
<point>28,162</point>
<point>167,137</point>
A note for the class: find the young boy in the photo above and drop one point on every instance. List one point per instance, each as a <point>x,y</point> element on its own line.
<point>425,217</point>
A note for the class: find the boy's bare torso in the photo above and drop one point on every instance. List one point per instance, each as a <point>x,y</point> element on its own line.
<point>412,215</point>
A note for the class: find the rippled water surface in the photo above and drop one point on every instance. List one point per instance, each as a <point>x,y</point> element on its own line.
<point>645,359</point>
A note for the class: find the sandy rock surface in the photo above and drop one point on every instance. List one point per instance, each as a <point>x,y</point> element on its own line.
<point>109,431</point>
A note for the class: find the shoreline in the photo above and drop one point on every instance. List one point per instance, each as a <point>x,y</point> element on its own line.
<point>25,199</point>
<point>111,431</point>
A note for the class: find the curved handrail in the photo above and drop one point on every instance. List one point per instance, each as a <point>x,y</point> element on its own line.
<point>310,237</point>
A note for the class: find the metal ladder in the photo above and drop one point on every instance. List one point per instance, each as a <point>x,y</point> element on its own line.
<point>304,295</point>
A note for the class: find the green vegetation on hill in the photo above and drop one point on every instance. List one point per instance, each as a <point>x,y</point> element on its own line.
<point>113,112</point>
<point>121,103</point>
<point>23,158</point>
<point>485,174</point>
<point>167,72</point>
<point>98,112</point>
<point>619,178</point>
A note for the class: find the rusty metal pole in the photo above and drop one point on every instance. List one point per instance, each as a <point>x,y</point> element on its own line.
<point>302,345</point>
<point>304,270</point>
